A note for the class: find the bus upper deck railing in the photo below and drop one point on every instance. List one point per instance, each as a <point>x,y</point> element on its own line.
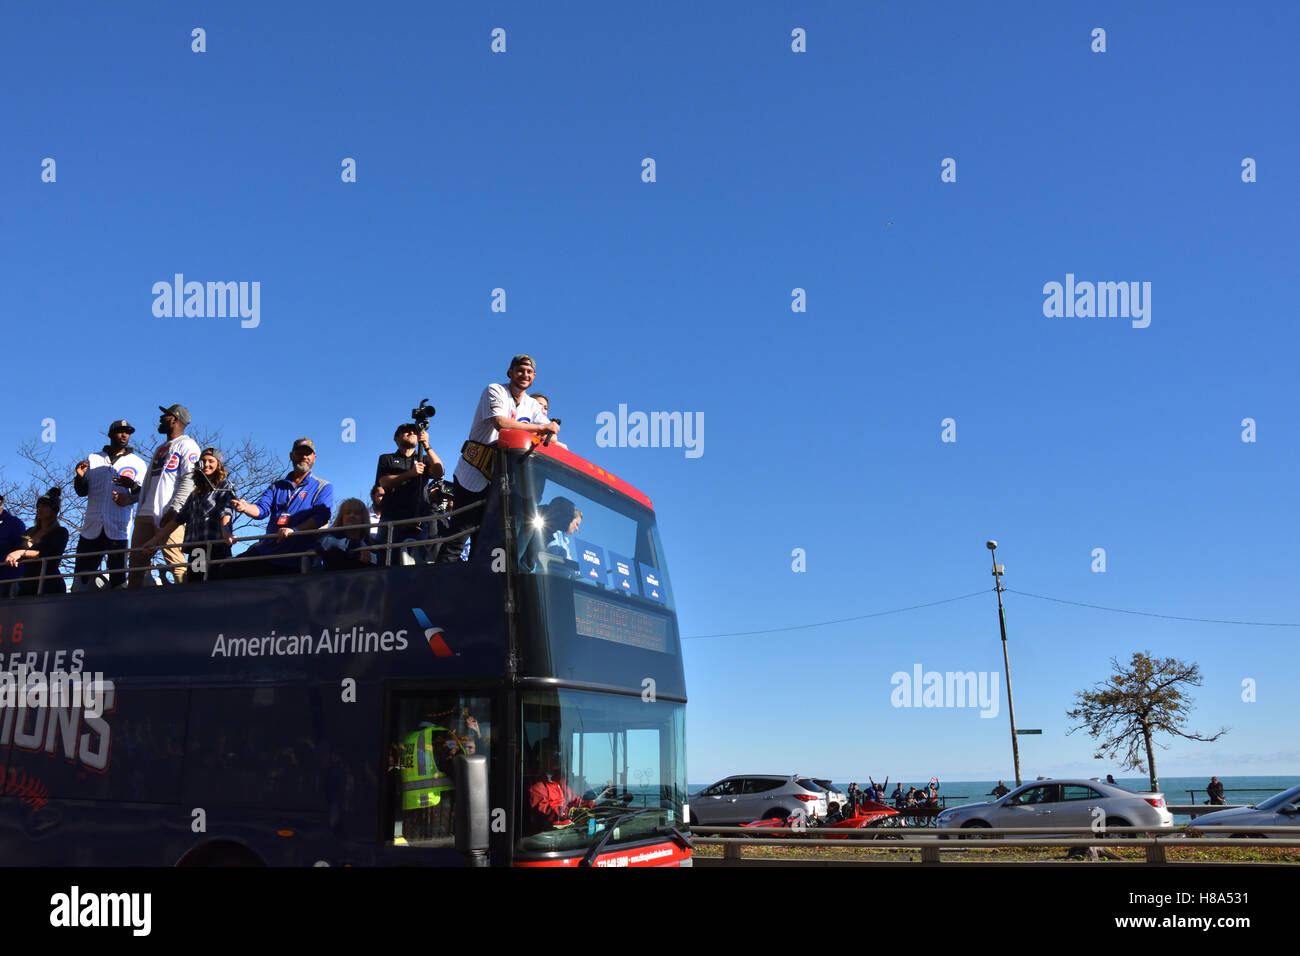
<point>307,559</point>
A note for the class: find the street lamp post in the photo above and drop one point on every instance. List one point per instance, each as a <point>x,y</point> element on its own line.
<point>1006,661</point>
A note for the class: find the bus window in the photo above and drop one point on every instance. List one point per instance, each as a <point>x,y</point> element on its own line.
<point>428,733</point>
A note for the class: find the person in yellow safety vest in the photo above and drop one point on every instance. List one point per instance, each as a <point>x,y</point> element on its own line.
<point>423,780</point>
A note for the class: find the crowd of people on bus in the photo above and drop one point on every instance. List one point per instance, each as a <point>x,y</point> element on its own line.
<point>182,498</point>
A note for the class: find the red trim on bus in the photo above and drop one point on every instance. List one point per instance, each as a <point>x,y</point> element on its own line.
<point>517,438</point>
<point>658,854</point>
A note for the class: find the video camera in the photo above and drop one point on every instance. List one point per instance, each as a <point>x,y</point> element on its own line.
<point>422,414</point>
<point>439,495</point>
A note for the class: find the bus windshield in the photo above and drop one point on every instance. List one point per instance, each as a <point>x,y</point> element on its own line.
<point>574,527</point>
<point>598,767</point>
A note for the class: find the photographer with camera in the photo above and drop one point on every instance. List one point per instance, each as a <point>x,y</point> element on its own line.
<point>404,476</point>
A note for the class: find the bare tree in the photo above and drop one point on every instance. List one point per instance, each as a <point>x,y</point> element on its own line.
<point>1127,710</point>
<point>250,466</point>
<point>45,470</point>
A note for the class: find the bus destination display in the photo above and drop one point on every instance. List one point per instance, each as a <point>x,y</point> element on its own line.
<point>622,625</point>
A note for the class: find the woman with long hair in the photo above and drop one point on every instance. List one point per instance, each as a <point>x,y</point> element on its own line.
<point>208,515</point>
<point>562,519</point>
<point>343,547</point>
<point>45,539</point>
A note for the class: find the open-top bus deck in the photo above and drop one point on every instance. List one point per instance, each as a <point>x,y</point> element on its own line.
<point>401,713</point>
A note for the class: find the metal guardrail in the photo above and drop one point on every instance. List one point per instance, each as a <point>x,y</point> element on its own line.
<point>1191,795</point>
<point>387,546</point>
<point>1154,840</point>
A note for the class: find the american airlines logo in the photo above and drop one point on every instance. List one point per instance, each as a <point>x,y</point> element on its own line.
<point>432,634</point>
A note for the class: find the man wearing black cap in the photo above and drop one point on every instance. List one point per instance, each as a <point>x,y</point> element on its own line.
<point>102,478</point>
<point>405,476</point>
<point>163,493</point>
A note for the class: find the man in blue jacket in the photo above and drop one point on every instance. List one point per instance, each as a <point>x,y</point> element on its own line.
<point>295,503</point>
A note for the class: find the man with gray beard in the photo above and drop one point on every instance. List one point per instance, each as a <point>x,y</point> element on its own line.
<point>297,502</point>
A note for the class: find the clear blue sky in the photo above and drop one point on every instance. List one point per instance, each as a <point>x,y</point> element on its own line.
<point>776,170</point>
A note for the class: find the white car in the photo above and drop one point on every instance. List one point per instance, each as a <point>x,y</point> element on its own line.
<point>834,799</point>
<point>1072,803</point>
<point>1280,810</point>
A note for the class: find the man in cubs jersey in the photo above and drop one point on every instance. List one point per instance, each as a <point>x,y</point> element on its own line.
<point>165,489</point>
<point>502,405</point>
<point>101,478</point>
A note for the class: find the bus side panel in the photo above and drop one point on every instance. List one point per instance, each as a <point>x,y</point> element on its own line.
<point>242,711</point>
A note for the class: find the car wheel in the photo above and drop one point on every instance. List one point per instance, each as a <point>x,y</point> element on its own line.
<point>1112,822</point>
<point>975,825</point>
<point>776,814</point>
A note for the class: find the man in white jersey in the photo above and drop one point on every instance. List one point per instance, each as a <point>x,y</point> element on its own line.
<point>165,490</point>
<point>505,405</point>
<point>109,509</point>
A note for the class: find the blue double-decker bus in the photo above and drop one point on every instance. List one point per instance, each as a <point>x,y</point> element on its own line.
<point>525,707</point>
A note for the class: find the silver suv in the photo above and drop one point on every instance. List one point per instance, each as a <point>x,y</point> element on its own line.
<point>748,797</point>
<point>1062,803</point>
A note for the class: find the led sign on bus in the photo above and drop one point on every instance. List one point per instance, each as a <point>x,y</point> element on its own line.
<point>622,625</point>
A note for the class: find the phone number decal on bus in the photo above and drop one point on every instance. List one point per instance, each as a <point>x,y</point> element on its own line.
<point>637,859</point>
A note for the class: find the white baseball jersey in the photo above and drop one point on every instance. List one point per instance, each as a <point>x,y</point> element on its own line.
<point>496,400</point>
<point>171,461</point>
<point>103,515</point>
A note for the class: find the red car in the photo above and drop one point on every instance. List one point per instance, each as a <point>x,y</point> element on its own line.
<point>865,816</point>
